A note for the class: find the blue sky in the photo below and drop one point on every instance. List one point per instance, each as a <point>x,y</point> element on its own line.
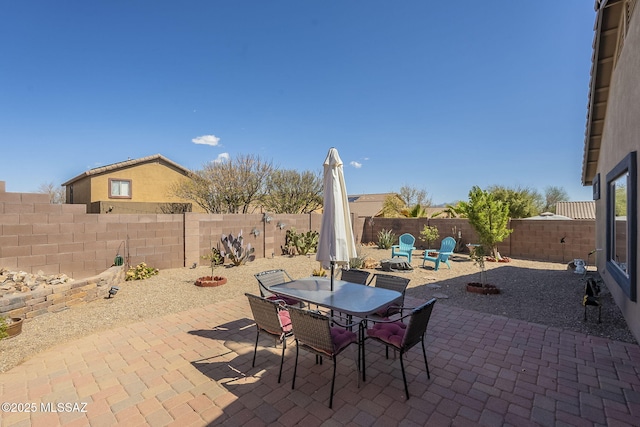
<point>439,96</point>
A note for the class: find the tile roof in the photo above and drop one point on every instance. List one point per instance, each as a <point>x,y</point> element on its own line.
<point>127,163</point>
<point>577,210</point>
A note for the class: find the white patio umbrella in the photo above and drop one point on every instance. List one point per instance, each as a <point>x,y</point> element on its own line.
<point>335,243</point>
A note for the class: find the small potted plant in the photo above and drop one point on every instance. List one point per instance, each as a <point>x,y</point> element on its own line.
<point>216,259</point>
<point>10,327</point>
<point>429,234</point>
<point>477,254</point>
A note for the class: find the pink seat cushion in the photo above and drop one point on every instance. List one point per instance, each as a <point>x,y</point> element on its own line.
<point>391,333</point>
<point>285,320</point>
<point>342,338</point>
<point>388,310</point>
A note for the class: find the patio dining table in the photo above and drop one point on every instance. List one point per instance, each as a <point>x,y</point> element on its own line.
<point>353,299</point>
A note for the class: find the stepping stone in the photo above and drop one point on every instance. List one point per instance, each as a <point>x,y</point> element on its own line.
<point>433,286</point>
<point>440,296</point>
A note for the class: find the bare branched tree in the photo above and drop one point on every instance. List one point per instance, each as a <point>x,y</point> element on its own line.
<point>57,194</point>
<point>290,191</point>
<point>233,186</point>
<point>553,195</point>
<point>413,196</point>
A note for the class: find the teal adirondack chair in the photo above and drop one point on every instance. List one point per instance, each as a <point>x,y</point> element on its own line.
<point>404,248</point>
<point>446,249</point>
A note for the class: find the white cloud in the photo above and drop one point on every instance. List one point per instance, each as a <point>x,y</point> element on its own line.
<point>222,157</point>
<point>206,140</point>
<point>356,165</point>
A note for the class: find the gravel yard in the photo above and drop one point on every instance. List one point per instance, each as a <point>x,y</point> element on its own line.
<point>539,292</point>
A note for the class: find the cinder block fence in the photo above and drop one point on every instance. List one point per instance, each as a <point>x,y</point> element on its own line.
<point>38,236</point>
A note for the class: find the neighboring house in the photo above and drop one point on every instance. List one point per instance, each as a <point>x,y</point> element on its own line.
<point>368,205</point>
<point>577,210</point>
<point>132,186</point>
<point>612,140</point>
<point>372,205</point>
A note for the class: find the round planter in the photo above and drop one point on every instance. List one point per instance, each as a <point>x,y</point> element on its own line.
<point>15,327</point>
<point>211,281</point>
<point>484,289</point>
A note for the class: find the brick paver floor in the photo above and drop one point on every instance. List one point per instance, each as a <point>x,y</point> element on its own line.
<point>194,369</point>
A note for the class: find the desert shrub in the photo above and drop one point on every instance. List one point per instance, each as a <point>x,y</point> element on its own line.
<point>141,272</point>
<point>386,238</point>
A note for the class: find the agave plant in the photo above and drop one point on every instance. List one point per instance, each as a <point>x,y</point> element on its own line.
<point>235,250</point>
<point>386,238</point>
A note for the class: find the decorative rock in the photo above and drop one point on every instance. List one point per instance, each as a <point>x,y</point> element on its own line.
<point>433,286</point>
<point>14,282</point>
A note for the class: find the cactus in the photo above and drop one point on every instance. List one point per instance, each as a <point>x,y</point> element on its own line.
<point>303,242</point>
<point>235,250</point>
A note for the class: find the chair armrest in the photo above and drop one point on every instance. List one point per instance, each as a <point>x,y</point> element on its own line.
<point>373,320</point>
<point>343,323</point>
<point>395,246</point>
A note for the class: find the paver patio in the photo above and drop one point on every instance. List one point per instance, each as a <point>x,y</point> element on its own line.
<point>194,368</point>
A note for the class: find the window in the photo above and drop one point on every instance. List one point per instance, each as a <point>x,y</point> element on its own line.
<point>622,224</point>
<point>119,188</point>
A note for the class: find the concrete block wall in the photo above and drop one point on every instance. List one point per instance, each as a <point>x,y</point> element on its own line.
<point>530,239</point>
<point>204,231</point>
<point>38,236</point>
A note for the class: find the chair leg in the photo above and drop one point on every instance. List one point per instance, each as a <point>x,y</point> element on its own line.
<point>255,349</point>
<point>333,382</point>
<point>404,376</point>
<point>295,368</point>
<point>284,346</point>
<point>364,368</point>
<point>426,365</point>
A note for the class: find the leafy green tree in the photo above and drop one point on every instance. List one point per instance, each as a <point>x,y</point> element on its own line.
<point>522,202</point>
<point>293,192</point>
<point>489,217</point>
<point>553,195</point>
<point>392,206</point>
<point>429,234</point>
<point>415,212</point>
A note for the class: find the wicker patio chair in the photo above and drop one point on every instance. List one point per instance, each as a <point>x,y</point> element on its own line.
<point>314,333</point>
<point>266,279</point>
<point>272,319</point>
<point>401,336</point>
<point>355,276</point>
<point>394,283</point>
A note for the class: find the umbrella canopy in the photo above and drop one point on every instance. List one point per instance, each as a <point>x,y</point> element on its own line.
<point>335,243</point>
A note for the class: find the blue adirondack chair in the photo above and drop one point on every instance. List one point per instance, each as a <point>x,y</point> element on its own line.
<point>446,249</point>
<point>404,248</point>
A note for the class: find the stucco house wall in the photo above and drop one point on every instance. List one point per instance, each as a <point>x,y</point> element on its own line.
<point>620,137</point>
<point>151,181</point>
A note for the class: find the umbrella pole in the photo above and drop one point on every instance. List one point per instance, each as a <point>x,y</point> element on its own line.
<point>333,266</point>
